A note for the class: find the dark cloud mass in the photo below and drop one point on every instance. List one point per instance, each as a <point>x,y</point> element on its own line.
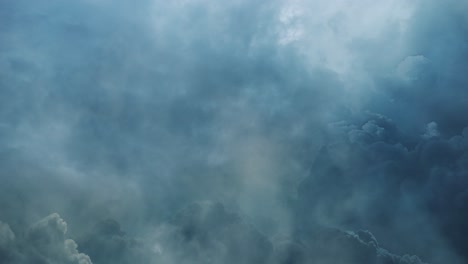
<point>203,131</point>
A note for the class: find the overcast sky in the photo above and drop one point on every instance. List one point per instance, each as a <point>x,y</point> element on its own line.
<point>242,131</point>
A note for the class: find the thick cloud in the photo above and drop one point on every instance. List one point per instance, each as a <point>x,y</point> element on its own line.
<point>202,232</point>
<point>107,243</point>
<point>44,242</point>
<point>293,113</point>
<point>206,232</point>
<point>368,176</point>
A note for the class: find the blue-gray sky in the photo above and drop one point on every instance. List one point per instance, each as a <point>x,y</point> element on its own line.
<point>207,131</point>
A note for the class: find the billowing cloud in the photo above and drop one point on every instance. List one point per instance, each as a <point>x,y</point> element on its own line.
<point>43,242</point>
<point>333,115</point>
<point>372,175</point>
<point>207,232</point>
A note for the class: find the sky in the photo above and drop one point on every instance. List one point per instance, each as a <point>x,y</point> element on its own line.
<point>243,131</point>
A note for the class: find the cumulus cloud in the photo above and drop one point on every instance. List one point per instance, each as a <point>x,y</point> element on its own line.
<point>374,176</point>
<point>431,130</point>
<point>43,242</point>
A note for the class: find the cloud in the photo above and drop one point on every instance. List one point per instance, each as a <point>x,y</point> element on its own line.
<point>431,130</point>
<point>375,176</point>
<point>6,234</point>
<point>124,111</point>
<point>206,232</point>
<point>7,239</point>
<point>328,245</point>
<point>413,68</point>
<point>44,242</point>
<point>107,243</point>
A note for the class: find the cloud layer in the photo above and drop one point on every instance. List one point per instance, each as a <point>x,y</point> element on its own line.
<point>298,120</point>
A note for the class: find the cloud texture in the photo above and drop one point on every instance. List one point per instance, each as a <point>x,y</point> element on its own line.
<point>298,122</point>
<point>43,242</point>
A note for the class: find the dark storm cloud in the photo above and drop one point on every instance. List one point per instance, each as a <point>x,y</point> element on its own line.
<point>206,232</point>
<point>154,97</point>
<point>117,110</point>
<point>368,176</point>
